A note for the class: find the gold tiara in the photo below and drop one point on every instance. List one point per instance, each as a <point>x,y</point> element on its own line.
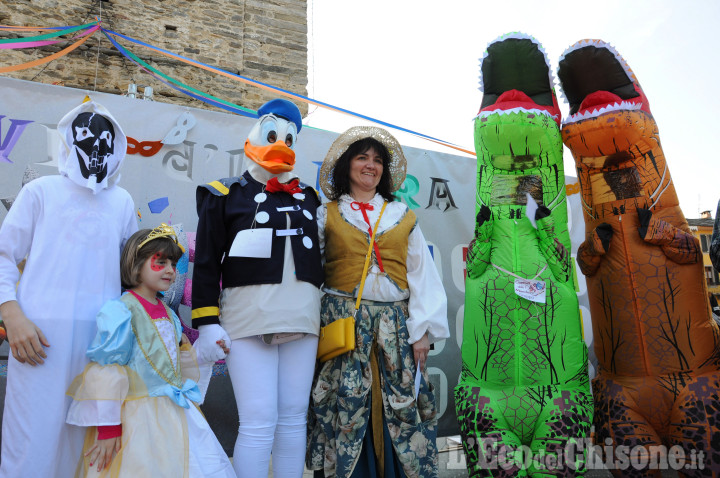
<point>163,230</point>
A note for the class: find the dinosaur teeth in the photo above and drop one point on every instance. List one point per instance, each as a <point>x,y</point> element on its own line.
<point>624,105</point>
<point>485,114</point>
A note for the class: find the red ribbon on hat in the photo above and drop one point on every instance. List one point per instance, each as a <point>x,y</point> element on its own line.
<point>363,207</point>
<point>275,186</point>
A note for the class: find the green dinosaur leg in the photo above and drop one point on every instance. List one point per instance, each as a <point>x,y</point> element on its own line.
<point>492,448</point>
<point>560,444</point>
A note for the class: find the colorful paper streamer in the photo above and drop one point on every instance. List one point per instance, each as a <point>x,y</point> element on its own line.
<point>90,28</point>
<point>61,53</point>
<point>275,89</point>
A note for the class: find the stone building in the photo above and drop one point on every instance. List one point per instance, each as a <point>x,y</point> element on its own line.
<point>702,228</point>
<point>265,40</point>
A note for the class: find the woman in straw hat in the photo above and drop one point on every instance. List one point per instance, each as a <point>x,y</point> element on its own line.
<point>366,420</point>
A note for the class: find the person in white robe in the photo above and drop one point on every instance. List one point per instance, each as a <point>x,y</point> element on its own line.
<point>71,228</point>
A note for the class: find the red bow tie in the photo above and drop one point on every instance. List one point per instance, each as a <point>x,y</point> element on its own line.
<point>275,186</point>
<point>363,207</point>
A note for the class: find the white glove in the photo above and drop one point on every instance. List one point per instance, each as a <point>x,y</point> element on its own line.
<point>207,346</point>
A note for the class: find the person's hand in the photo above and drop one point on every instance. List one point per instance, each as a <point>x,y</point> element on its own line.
<point>225,348</point>
<point>103,451</point>
<point>208,345</point>
<point>421,348</point>
<point>25,338</point>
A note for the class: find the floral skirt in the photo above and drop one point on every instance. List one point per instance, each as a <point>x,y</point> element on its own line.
<point>340,401</point>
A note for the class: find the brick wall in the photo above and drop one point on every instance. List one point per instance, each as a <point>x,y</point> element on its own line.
<point>264,40</point>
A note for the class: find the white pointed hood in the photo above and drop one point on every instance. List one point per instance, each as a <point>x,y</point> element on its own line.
<point>91,154</point>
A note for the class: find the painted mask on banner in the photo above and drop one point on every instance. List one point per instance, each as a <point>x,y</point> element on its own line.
<point>94,146</point>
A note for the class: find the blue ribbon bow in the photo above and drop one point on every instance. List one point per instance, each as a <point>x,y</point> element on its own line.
<point>180,396</point>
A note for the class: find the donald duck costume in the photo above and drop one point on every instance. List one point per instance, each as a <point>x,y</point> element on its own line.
<point>257,233</point>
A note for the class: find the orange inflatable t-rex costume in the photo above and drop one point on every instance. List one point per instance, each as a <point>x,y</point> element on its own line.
<point>656,343</point>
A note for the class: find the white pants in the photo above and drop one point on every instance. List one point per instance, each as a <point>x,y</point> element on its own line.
<point>272,390</point>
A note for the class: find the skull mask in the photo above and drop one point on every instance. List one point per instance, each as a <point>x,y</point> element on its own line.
<point>93,147</point>
<point>93,137</point>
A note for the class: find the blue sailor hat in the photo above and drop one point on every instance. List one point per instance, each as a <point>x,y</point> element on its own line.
<point>284,109</point>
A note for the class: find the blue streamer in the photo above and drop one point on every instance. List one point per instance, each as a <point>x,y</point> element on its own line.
<point>217,104</point>
<point>290,93</point>
<point>197,97</point>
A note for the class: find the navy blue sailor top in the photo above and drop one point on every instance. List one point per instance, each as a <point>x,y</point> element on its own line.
<point>230,205</point>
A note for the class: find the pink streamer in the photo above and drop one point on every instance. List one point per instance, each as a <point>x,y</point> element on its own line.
<point>27,44</point>
<point>33,44</point>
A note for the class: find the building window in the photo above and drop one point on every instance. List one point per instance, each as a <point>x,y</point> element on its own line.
<point>705,242</point>
<point>711,277</point>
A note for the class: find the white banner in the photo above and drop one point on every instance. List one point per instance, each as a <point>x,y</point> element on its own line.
<point>440,188</point>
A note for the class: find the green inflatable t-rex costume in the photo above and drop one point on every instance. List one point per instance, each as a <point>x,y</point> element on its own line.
<point>524,384</point>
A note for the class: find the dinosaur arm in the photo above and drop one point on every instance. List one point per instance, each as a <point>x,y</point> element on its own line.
<point>478,256</point>
<point>591,251</point>
<point>679,246</point>
<point>552,246</point>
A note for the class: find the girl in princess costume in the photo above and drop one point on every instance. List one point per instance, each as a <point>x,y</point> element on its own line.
<point>138,395</point>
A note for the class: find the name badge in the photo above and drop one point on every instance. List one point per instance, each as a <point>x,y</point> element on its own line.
<point>252,243</point>
<point>531,289</point>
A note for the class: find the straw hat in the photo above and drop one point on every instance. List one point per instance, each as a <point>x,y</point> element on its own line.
<point>398,163</point>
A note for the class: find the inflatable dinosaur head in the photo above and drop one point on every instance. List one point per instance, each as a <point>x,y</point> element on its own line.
<point>517,134</point>
<point>611,132</point>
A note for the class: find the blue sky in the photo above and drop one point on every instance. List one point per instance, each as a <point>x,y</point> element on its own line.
<point>416,64</point>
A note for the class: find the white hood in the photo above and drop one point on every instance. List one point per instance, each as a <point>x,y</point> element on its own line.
<point>73,163</point>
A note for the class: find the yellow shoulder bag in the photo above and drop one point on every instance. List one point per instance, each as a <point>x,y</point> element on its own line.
<point>338,337</point>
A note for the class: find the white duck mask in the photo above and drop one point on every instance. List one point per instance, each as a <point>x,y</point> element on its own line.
<point>271,144</point>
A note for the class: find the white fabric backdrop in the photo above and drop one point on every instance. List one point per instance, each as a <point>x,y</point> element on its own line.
<point>440,187</point>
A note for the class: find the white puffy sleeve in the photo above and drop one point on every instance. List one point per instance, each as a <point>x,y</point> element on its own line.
<point>16,235</point>
<point>321,221</point>
<point>427,302</point>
